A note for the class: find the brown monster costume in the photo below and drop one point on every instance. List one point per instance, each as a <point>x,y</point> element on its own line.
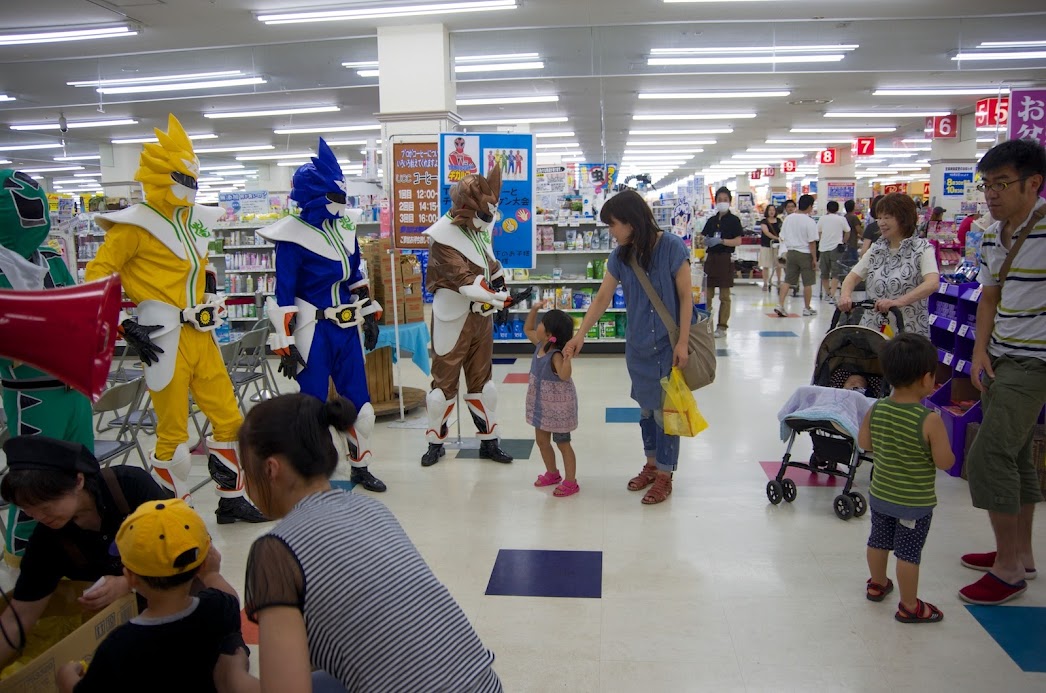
<point>469,288</point>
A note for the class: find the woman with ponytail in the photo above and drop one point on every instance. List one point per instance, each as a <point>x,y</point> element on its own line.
<point>374,617</point>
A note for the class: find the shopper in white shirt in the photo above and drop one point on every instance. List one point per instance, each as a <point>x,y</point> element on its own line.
<point>799,242</point>
<point>834,230</point>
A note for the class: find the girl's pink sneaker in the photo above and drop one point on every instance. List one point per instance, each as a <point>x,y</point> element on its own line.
<point>548,479</point>
<point>567,488</point>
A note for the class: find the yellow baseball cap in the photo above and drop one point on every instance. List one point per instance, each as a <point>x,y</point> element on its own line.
<point>163,539</point>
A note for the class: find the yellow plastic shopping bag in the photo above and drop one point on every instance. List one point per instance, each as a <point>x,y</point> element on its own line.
<point>681,415</point>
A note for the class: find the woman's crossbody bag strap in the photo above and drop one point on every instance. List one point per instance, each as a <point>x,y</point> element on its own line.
<point>1022,236</point>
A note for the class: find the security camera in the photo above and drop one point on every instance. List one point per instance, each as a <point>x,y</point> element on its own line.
<point>63,124</point>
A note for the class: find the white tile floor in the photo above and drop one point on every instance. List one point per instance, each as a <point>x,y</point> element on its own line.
<point>713,590</point>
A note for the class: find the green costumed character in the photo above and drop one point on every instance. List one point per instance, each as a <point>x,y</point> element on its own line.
<point>35,403</point>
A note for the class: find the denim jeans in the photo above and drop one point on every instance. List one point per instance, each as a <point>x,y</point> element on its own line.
<point>322,682</point>
<point>658,444</point>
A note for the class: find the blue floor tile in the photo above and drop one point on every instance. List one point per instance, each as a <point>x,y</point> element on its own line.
<point>519,449</point>
<point>343,484</point>
<point>528,573</point>
<point>722,352</point>
<point>1019,630</point>
<point>777,333</point>
<point>622,415</point>
<point>504,362</point>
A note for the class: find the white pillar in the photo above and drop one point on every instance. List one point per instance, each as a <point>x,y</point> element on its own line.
<point>273,178</point>
<point>743,185</point>
<point>118,163</point>
<point>952,162</point>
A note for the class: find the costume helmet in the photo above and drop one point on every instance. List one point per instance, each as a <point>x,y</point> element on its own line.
<point>474,200</point>
<point>168,170</point>
<point>25,218</point>
<point>319,187</point>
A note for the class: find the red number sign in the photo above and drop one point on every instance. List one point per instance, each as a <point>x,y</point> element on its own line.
<point>945,127</point>
<point>756,174</point>
<point>828,156</point>
<point>769,171</point>
<point>992,112</point>
<point>789,166</point>
<point>865,146</point>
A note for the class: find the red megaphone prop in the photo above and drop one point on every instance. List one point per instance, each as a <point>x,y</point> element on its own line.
<point>69,333</point>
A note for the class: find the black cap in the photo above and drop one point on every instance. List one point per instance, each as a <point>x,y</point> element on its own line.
<point>47,454</point>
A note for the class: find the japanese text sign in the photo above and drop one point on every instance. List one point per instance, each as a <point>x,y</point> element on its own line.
<point>992,112</point>
<point>1028,116</point>
<point>415,192</point>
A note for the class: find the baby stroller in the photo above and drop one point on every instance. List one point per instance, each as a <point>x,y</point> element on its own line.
<point>848,349</point>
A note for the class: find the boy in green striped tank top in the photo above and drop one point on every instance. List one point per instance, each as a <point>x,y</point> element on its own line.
<point>910,444</point>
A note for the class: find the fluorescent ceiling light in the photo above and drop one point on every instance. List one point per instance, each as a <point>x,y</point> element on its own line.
<point>182,86</point>
<point>274,111</point>
<point>566,133</point>
<point>819,142</point>
<point>499,67</point>
<point>673,133</point>
<point>904,150</point>
<point>994,129</point>
<point>222,167</point>
<point>86,175</point>
<point>307,156</point>
<point>715,95</point>
<point>144,140</point>
<point>885,114</point>
<point>497,101</point>
<point>345,143</point>
<point>648,153</point>
<point>814,131</point>
<point>668,143</point>
<point>360,63</point>
<point>226,150</point>
<point>5,97</point>
<point>792,151</point>
<point>514,121</point>
<point>822,48</point>
<point>507,57</point>
<point>985,140</point>
<point>76,124</point>
<point>26,147</point>
<point>558,145</point>
<point>916,140</point>
<point>756,157</point>
<point>154,80</point>
<point>1019,55</point>
<point>313,130</point>
<point>944,91</point>
<point>52,169</point>
<point>368,73</point>
<point>66,35</point>
<point>74,181</point>
<point>1011,44</point>
<point>748,60</point>
<point>385,10</point>
<point>692,116</point>
<point>82,157</point>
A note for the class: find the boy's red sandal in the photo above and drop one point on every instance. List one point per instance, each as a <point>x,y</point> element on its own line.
<point>876,592</point>
<point>924,613</point>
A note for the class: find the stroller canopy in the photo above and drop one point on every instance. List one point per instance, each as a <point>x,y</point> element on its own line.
<point>852,347</point>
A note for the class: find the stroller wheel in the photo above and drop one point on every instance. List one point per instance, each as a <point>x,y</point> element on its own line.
<point>774,492</point>
<point>789,490</point>
<point>844,507</point>
<point>860,504</point>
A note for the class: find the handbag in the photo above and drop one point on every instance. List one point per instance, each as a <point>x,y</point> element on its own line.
<point>1021,236</point>
<point>700,368</point>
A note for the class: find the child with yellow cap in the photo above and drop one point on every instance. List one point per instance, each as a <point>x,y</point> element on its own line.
<point>165,548</point>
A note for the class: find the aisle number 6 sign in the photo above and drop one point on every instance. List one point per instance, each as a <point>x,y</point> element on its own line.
<point>944,127</point>
<point>828,156</point>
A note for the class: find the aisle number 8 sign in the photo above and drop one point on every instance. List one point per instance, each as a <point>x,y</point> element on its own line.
<point>828,156</point>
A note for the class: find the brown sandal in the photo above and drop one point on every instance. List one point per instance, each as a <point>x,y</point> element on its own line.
<point>660,491</point>
<point>643,479</point>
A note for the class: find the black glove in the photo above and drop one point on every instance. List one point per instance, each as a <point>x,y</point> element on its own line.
<point>502,316</point>
<point>523,295</point>
<point>290,362</point>
<point>498,284</point>
<point>370,332</point>
<point>138,337</point>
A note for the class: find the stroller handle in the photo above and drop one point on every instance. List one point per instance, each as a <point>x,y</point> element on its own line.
<point>868,305</point>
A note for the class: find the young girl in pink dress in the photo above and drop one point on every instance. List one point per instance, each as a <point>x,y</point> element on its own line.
<point>551,397</point>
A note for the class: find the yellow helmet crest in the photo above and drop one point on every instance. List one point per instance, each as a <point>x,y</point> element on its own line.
<point>162,164</point>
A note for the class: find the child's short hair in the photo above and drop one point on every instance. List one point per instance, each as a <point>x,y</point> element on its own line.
<point>169,583</point>
<point>906,358</point>
<point>559,327</point>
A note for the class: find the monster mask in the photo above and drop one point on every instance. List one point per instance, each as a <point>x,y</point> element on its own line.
<point>168,170</point>
<point>25,218</point>
<point>474,201</point>
<point>319,188</point>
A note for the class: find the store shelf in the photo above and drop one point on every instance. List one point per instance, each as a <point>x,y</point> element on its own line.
<point>248,295</point>
<point>243,227</point>
<point>571,310</point>
<point>569,223</point>
<point>266,246</point>
<point>943,323</point>
<point>551,282</point>
<point>608,340</point>
<point>592,251</point>
<point>244,319</point>
<point>249,271</point>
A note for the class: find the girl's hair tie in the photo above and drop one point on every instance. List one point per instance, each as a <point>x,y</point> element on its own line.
<point>551,340</point>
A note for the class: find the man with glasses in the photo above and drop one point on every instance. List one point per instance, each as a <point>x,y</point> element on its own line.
<point>1009,367</point>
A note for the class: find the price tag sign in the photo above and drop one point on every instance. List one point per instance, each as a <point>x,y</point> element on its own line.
<point>790,166</point>
<point>945,127</point>
<point>865,146</point>
<point>961,366</point>
<point>964,330</point>
<point>976,295</point>
<point>829,156</point>
<point>948,358</point>
<point>951,326</point>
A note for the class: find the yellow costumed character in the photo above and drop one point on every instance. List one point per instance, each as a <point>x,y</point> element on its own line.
<point>159,249</point>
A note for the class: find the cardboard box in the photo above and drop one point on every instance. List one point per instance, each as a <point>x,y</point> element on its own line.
<point>413,309</point>
<point>1038,450</point>
<point>39,675</point>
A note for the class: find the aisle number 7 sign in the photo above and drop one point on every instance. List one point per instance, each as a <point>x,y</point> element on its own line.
<point>865,146</point>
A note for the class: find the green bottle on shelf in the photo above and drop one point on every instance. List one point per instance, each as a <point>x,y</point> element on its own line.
<point>590,270</point>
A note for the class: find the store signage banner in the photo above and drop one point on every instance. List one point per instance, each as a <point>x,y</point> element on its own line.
<point>1028,116</point>
<point>238,204</point>
<point>778,199</point>
<point>992,112</point>
<point>597,177</point>
<point>841,191</point>
<point>956,179</point>
<point>460,154</point>
<point>415,192</point>
<point>551,179</point>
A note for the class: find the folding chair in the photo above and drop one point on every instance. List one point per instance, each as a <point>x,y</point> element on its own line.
<point>249,367</point>
<point>270,389</point>
<point>127,397</point>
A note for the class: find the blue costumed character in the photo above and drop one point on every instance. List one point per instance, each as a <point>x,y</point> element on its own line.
<point>323,302</point>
